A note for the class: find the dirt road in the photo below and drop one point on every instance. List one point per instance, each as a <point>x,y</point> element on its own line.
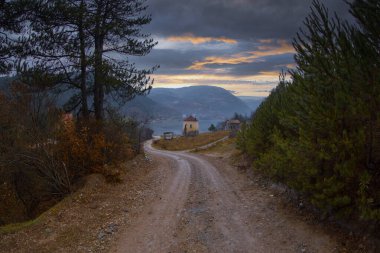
<point>204,205</point>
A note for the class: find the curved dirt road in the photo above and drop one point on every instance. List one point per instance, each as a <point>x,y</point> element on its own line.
<point>205,205</point>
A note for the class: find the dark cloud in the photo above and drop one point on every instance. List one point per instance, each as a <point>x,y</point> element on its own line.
<point>238,19</point>
<point>193,31</point>
<point>173,61</point>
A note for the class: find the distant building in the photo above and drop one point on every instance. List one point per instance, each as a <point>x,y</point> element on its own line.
<point>233,126</point>
<point>168,136</point>
<point>190,126</point>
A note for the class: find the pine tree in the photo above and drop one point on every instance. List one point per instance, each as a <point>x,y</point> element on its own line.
<point>58,45</point>
<point>319,132</point>
<point>117,30</point>
<point>212,128</point>
<point>11,20</point>
<point>85,44</point>
<point>3,37</point>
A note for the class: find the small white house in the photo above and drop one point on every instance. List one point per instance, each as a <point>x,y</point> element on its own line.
<point>233,126</point>
<point>168,136</point>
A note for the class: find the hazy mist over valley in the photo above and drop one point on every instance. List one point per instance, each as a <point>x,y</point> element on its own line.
<point>165,108</point>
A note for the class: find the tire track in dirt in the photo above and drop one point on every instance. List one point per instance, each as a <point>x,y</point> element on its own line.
<point>227,230</point>
<point>204,209</point>
<point>153,231</point>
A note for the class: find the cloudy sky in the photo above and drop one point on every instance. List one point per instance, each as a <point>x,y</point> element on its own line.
<point>240,45</point>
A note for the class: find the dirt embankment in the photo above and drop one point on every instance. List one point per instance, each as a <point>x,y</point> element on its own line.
<point>90,219</point>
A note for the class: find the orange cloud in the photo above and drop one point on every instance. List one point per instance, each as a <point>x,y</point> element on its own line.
<point>266,41</point>
<point>289,65</point>
<point>220,60</point>
<point>283,47</point>
<point>200,40</point>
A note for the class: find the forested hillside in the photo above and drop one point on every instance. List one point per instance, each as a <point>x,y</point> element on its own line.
<point>319,132</point>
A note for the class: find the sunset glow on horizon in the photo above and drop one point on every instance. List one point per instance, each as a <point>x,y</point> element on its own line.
<point>258,86</point>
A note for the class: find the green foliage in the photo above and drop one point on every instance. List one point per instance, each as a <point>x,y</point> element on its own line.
<point>212,128</point>
<point>320,132</point>
<point>85,44</point>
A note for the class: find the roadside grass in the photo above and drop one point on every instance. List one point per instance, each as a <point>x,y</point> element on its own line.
<point>221,148</point>
<point>227,149</point>
<point>185,143</point>
<point>14,227</point>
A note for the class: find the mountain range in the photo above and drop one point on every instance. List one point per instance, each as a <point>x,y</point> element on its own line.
<point>204,102</point>
<point>252,102</point>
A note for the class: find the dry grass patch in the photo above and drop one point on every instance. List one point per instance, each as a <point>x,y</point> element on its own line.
<point>185,143</point>
<point>14,227</point>
<point>221,148</point>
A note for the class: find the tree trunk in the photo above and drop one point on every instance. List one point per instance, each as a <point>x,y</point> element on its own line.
<point>83,66</point>
<point>98,85</point>
<point>98,66</point>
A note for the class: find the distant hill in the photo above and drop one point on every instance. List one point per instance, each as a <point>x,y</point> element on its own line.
<point>143,107</point>
<point>252,102</point>
<point>205,102</point>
